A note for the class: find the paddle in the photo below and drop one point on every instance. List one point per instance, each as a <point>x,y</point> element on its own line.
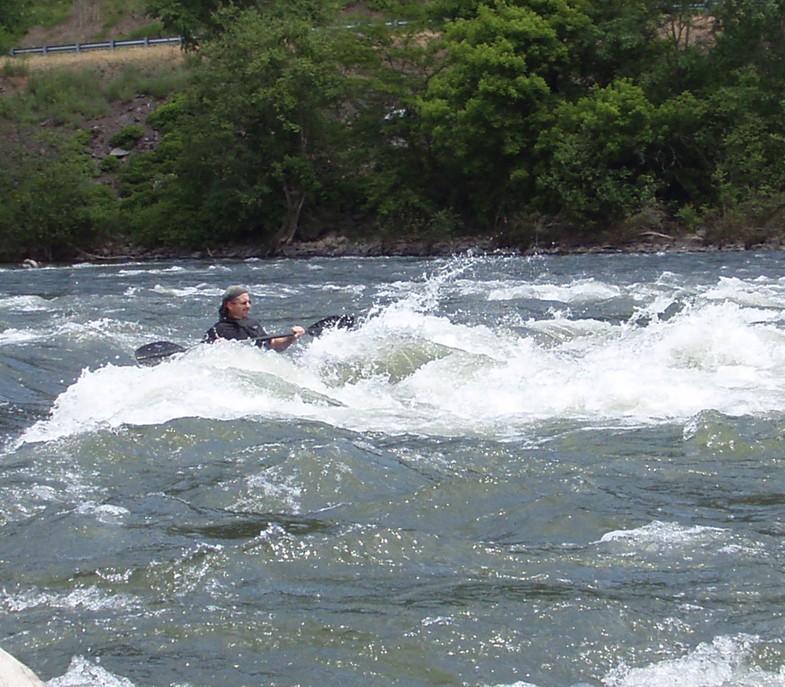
<point>153,353</point>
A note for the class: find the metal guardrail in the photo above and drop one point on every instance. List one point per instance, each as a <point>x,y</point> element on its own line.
<point>102,45</point>
<point>141,42</point>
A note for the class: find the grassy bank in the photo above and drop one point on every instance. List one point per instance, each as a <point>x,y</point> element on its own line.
<point>62,119</point>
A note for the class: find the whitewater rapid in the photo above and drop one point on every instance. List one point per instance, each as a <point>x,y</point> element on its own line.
<point>665,354</point>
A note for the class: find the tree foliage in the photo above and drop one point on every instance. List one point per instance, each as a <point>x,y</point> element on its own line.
<point>264,102</point>
<point>199,21</point>
<point>50,206</point>
<point>596,156</point>
<point>469,117</point>
<point>506,67</point>
<point>15,17</point>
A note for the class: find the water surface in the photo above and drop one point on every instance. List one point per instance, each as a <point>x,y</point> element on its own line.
<point>546,471</point>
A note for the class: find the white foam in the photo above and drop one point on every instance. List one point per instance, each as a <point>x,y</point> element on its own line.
<point>663,533</point>
<point>83,673</point>
<point>24,303</point>
<point>104,513</point>
<point>407,367</point>
<point>89,598</point>
<point>16,336</point>
<point>727,661</point>
<point>579,291</point>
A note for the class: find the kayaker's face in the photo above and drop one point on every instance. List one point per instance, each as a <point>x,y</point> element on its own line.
<point>239,308</point>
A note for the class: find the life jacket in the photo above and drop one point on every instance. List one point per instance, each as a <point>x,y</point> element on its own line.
<point>228,328</point>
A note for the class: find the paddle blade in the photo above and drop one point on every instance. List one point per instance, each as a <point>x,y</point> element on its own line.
<point>153,353</point>
<point>332,322</point>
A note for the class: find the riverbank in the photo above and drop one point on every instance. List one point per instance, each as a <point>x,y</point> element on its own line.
<point>339,245</point>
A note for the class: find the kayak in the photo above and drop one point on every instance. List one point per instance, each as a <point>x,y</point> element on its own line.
<point>154,353</point>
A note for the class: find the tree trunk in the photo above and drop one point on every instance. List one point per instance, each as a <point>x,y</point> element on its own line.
<point>295,199</point>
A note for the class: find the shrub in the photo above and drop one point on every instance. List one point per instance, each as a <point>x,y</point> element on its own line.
<point>127,137</point>
<point>153,30</point>
<point>65,96</point>
<point>159,82</point>
<point>15,67</point>
<point>167,116</point>
<point>126,85</point>
<point>109,164</point>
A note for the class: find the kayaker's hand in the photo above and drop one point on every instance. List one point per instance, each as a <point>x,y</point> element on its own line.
<point>298,331</point>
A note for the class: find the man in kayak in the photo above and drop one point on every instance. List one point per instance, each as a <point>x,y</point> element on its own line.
<point>234,322</point>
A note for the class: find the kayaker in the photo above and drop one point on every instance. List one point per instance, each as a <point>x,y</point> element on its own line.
<point>234,323</point>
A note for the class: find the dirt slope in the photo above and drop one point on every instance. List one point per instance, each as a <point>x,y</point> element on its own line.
<point>89,21</point>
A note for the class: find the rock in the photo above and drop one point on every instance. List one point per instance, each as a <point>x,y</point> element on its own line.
<point>15,674</point>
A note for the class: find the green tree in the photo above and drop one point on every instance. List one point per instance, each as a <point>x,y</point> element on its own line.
<point>505,69</point>
<point>154,208</point>
<point>198,21</point>
<point>50,208</point>
<point>743,91</point>
<point>191,19</point>
<point>750,32</point>
<point>15,18</point>
<point>627,40</point>
<point>683,154</point>
<point>749,150</point>
<point>14,14</point>
<point>441,11</point>
<point>595,167</point>
<point>387,170</point>
<point>265,99</point>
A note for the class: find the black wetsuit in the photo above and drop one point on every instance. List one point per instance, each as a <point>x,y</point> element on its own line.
<point>228,328</point>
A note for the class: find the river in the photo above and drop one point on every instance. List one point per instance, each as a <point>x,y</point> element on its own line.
<point>549,471</point>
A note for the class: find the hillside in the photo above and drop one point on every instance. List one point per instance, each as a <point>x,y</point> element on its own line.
<point>96,20</point>
<point>644,135</point>
<point>89,20</point>
<point>104,67</point>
